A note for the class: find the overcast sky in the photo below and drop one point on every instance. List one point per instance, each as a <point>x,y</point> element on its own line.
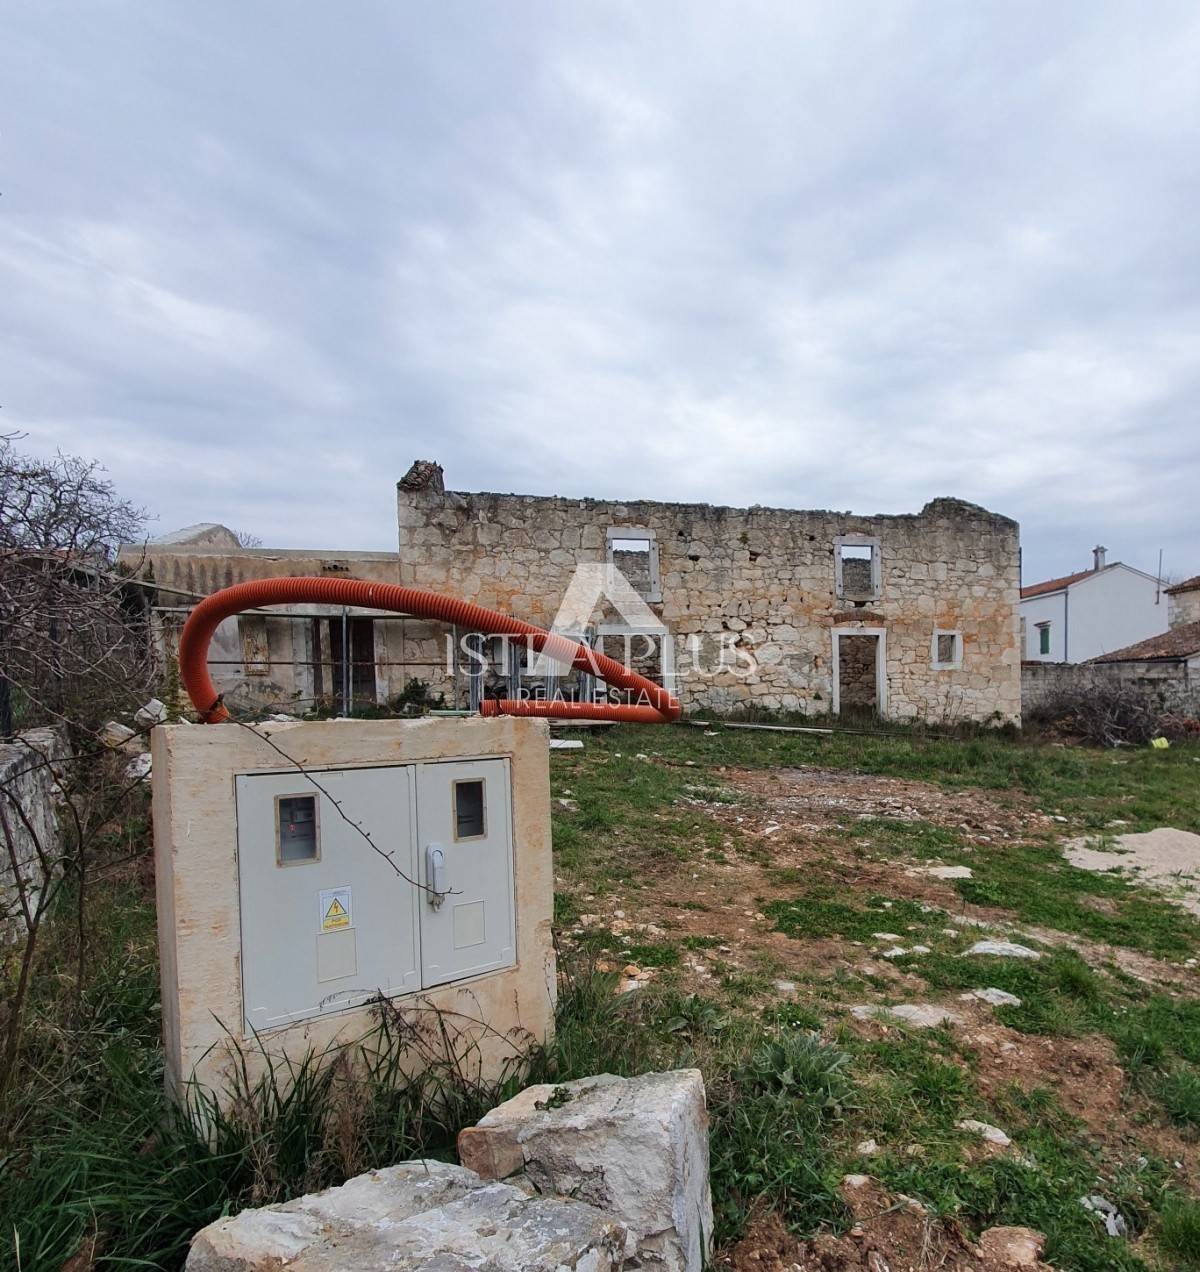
<point>256,258</point>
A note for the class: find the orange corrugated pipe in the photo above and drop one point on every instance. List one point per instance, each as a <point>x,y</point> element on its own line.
<point>655,704</point>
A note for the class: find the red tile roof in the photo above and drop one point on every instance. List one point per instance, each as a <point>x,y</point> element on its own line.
<point>1188,585</point>
<point>1054,585</point>
<point>1179,642</point>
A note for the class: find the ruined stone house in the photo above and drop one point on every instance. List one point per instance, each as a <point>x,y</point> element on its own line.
<point>291,658</point>
<point>912,616</point>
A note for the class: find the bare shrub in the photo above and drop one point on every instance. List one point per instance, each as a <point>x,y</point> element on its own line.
<point>1104,711</point>
<point>74,652</point>
<point>73,636</point>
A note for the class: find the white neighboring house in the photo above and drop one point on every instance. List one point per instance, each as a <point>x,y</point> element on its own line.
<point>1091,613</point>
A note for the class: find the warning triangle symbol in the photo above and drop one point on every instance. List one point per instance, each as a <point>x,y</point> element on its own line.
<point>335,910</point>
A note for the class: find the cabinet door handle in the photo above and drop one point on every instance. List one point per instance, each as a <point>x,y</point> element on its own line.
<point>435,875</point>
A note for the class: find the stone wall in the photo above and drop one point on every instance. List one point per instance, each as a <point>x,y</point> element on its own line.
<point>1184,607</point>
<point>1170,685</point>
<point>753,587</point>
<point>29,838</point>
<point>856,666</point>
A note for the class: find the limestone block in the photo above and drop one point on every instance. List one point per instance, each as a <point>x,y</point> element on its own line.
<point>417,1215</point>
<point>634,1147</point>
<point>1013,1247</point>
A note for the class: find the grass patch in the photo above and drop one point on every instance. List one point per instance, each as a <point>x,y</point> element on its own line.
<point>825,911</point>
<point>1144,787</point>
<point>566,909</point>
<point>1178,1091</point>
<point>1179,1231</point>
<point>1039,887</point>
<point>1060,993</point>
<point>90,1139</point>
<point>772,1114</point>
<point>917,838</point>
<point>1150,1031</point>
<point>1042,1192</point>
<point>917,1086</point>
<point>619,802</point>
<point>654,954</point>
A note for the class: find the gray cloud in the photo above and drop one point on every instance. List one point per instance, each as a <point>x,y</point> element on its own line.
<point>256,259</point>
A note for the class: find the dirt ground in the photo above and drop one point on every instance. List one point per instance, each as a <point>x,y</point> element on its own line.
<point>801,820</point>
<point>795,819</point>
<point>889,1234</point>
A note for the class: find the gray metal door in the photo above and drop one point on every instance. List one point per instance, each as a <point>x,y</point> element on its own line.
<point>327,923</point>
<point>463,811</point>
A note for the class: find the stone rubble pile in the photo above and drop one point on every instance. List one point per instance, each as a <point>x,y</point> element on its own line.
<point>596,1175</point>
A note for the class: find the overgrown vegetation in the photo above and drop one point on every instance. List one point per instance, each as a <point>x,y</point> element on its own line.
<point>72,643</point>
<point>73,653</point>
<point>1105,711</point>
<point>95,1159</point>
<point>113,1163</point>
<point>416,698</point>
<point>912,1089</point>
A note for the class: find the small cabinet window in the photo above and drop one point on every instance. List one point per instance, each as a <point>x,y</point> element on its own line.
<point>297,838</point>
<point>469,817</point>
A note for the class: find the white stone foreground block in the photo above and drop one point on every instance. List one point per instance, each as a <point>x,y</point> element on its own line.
<point>413,1216</point>
<point>634,1147</point>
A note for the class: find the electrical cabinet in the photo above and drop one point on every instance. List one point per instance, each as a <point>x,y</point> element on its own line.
<point>360,882</point>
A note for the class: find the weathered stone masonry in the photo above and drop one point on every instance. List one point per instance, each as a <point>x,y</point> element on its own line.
<point>762,580</point>
<point>29,834</point>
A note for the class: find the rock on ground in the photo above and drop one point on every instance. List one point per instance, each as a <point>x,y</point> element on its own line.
<point>417,1215</point>
<point>1003,949</point>
<point>993,1134</point>
<point>996,997</point>
<point>919,1015</point>
<point>1164,858</point>
<point>636,1148</point>
<point>943,872</point>
<point>1013,1247</point>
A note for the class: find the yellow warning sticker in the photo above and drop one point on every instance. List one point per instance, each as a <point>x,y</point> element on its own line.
<point>335,909</point>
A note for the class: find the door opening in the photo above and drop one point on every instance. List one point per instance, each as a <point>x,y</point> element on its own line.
<point>344,663</point>
<point>858,662</point>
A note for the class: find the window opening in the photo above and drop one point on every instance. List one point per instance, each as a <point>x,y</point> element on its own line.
<point>469,813</point>
<point>947,649</point>
<point>635,553</point>
<point>1043,630</point>
<point>857,569</point>
<point>296,829</point>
